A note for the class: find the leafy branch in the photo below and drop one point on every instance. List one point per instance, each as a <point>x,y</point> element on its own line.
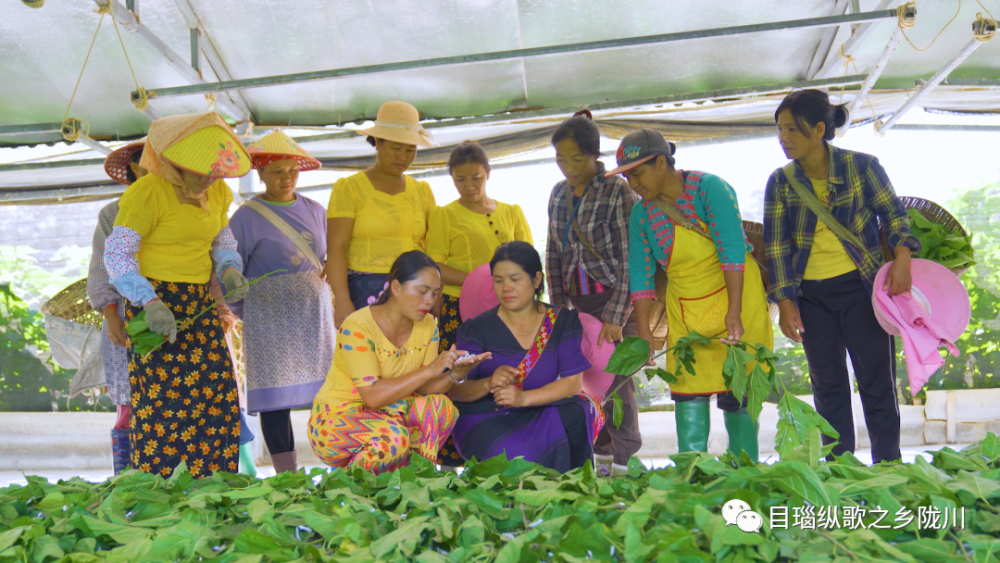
<point>145,341</point>
<point>749,372</point>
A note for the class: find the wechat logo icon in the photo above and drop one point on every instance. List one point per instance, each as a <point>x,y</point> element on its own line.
<point>738,513</point>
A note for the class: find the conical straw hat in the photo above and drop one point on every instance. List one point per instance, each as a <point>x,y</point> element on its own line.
<point>276,145</point>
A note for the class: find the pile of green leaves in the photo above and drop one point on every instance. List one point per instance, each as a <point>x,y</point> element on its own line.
<point>749,372</point>
<point>939,244</point>
<point>507,511</point>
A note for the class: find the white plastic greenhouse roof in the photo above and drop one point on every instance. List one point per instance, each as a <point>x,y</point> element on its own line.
<point>730,83</point>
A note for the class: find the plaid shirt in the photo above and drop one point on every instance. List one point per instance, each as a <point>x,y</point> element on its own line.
<point>603,218</point>
<point>860,191</point>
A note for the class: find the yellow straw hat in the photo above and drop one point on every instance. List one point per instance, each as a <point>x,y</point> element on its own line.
<point>116,164</point>
<point>399,122</point>
<point>211,151</point>
<point>276,145</point>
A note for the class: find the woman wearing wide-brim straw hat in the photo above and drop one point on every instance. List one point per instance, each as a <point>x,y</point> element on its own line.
<point>379,213</point>
<point>288,317</point>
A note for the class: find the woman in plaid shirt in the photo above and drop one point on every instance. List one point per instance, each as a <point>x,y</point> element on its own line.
<point>820,276</point>
<point>586,262</point>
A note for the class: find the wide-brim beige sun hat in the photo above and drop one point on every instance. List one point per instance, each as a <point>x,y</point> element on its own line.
<point>399,122</point>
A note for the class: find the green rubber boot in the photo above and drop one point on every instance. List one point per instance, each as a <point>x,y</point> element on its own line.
<point>742,434</point>
<point>693,425</point>
<point>247,466</point>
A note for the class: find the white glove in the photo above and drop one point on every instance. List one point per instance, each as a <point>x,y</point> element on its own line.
<point>160,320</point>
<point>235,283</point>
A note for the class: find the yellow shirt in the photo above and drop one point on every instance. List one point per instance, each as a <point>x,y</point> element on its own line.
<point>464,239</point>
<point>176,237</point>
<point>828,257</point>
<point>364,355</point>
<point>385,226</point>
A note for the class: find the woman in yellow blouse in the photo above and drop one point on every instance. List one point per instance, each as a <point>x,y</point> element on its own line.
<point>384,397</point>
<point>171,232</point>
<point>377,214</point>
<point>465,233</point>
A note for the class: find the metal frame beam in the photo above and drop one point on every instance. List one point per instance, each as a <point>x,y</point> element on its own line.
<point>833,65</point>
<point>522,53</point>
<point>971,82</point>
<point>515,116</point>
<point>123,16</point>
<point>211,54</point>
<point>929,85</point>
<point>29,129</point>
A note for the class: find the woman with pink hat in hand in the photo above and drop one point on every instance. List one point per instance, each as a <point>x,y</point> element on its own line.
<point>288,317</point>
<point>689,223</point>
<point>821,232</point>
<point>379,213</point>
<point>586,260</point>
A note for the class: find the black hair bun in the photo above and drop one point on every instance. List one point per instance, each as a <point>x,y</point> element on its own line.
<point>371,140</point>
<point>840,115</point>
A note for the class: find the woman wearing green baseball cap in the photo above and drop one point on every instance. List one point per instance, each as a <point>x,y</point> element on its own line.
<point>714,286</point>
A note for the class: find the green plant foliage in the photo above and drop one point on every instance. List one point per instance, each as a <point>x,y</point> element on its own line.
<point>29,380</point>
<point>749,372</point>
<point>945,247</point>
<point>513,511</point>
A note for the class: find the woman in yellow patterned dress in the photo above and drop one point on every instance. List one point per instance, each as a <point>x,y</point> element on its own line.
<point>384,398</point>
<point>690,223</point>
<point>171,232</point>
<point>465,233</point>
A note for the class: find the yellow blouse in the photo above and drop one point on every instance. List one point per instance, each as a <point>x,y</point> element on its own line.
<point>464,239</point>
<point>176,238</point>
<point>364,355</point>
<point>385,226</point>
<point>828,257</point>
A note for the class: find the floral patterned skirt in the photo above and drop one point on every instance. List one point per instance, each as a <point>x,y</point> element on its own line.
<point>185,406</point>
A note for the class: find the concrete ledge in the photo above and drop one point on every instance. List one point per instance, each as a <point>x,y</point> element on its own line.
<point>82,440</point>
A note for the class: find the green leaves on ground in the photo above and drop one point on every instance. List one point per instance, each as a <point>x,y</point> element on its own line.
<point>515,511</point>
<point>939,244</point>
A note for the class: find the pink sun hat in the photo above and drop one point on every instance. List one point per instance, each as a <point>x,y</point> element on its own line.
<point>478,297</point>
<point>477,293</point>
<point>935,313</point>
<point>596,381</point>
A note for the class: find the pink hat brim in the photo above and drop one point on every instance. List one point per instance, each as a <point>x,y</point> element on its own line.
<point>948,298</point>
<point>477,293</point>
<point>596,381</point>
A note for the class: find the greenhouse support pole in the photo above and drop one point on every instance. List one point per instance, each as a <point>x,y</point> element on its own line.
<point>876,71</point>
<point>205,88</point>
<point>211,55</point>
<point>928,86</point>
<point>834,64</point>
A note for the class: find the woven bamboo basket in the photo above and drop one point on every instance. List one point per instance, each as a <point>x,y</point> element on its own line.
<point>73,304</point>
<point>934,213</point>
<point>755,234</point>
